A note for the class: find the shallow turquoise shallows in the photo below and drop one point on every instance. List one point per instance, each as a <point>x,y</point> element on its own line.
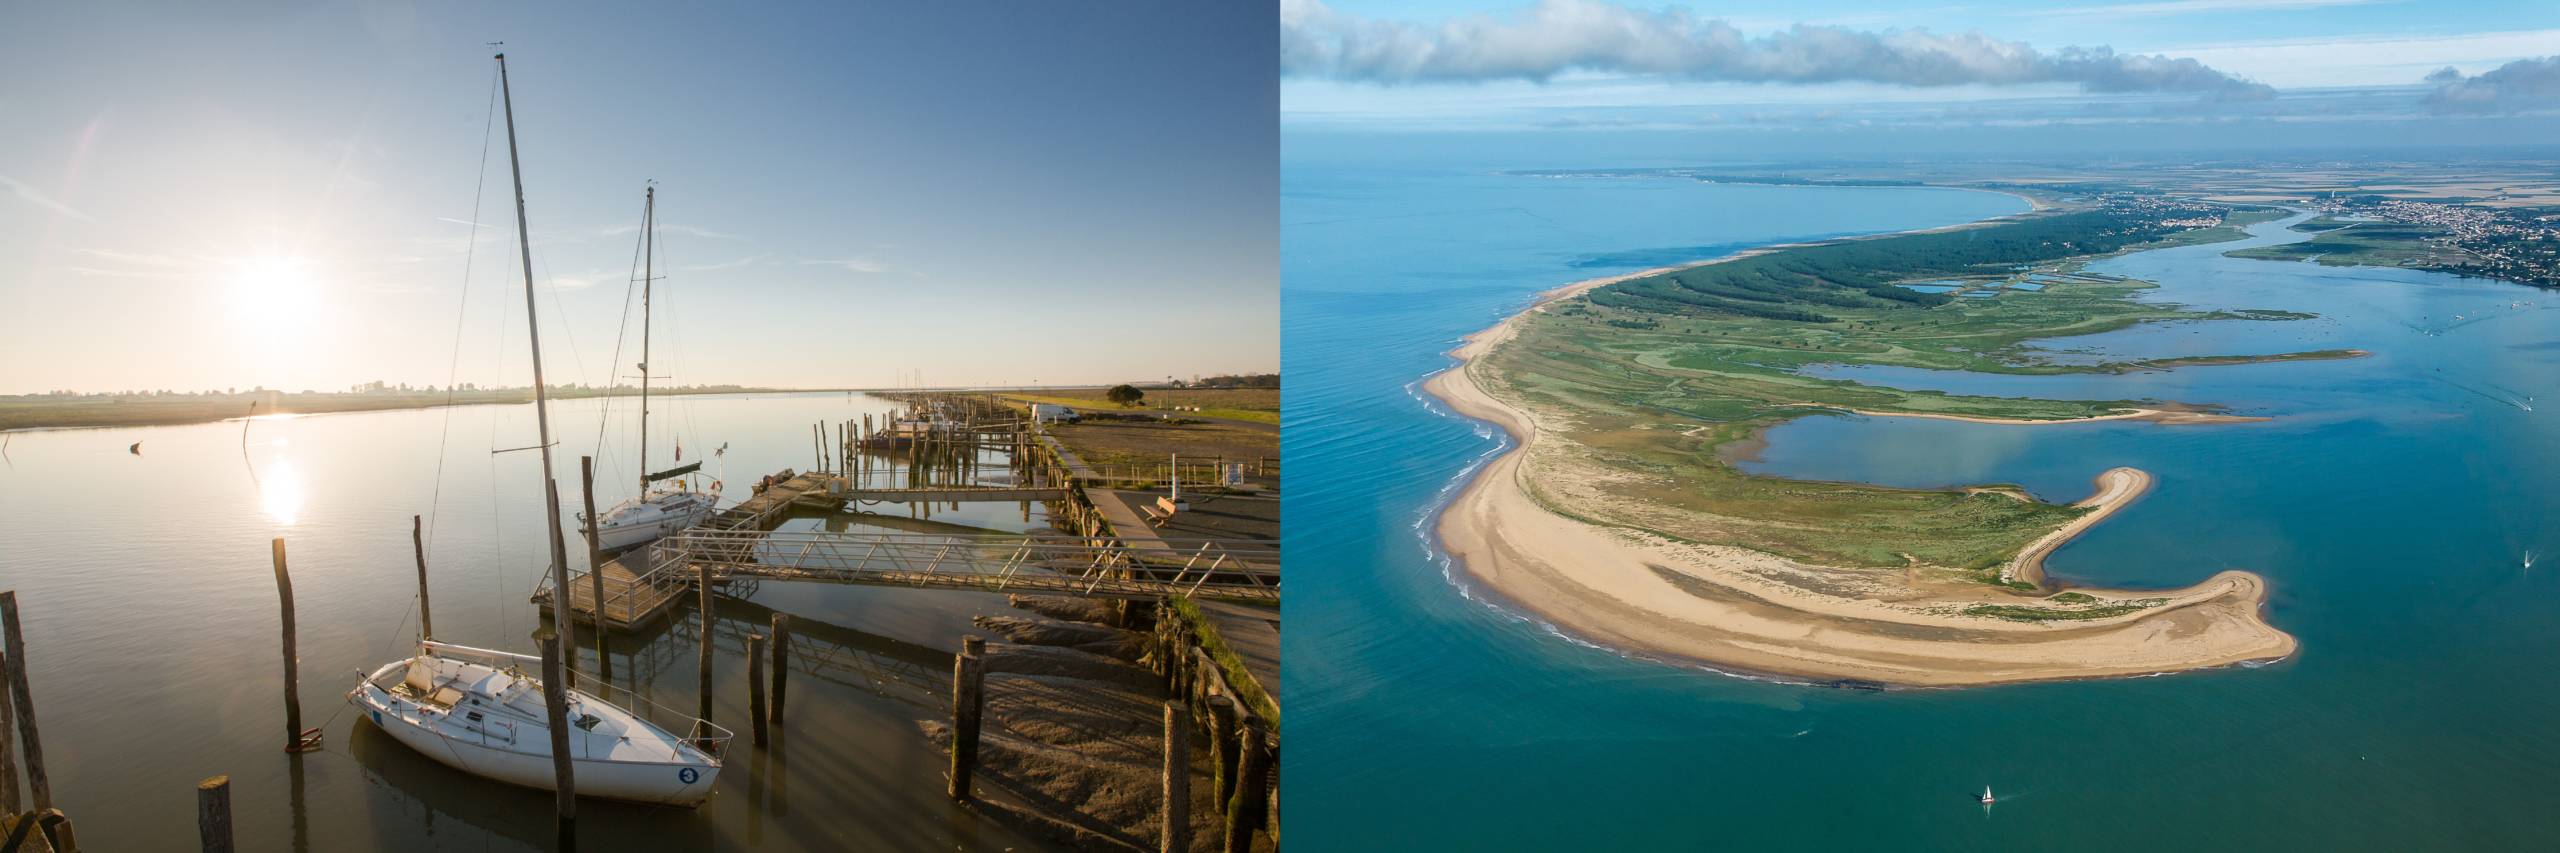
<point>2392,502</point>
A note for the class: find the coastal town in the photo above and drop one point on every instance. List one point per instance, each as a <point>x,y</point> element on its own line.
<point>2517,244</point>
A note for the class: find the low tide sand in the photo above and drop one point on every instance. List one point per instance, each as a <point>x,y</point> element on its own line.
<point>1733,608</point>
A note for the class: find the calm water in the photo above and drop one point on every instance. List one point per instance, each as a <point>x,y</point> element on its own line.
<point>2391,504</point>
<point>151,620</point>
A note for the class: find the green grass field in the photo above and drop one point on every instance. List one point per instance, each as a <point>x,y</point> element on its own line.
<point>1260,405</point>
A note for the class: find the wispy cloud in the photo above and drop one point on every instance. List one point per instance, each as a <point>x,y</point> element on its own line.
<point>865,266</point>
<point>462,222</point>
<point>141,259</point>
<point>1559,36</point>
<point>582,280</point>
<point>750,260</point>
<point>2519,85</point>
<point>687,230</point>
<point>31,196</point>
<point>2190,7</point>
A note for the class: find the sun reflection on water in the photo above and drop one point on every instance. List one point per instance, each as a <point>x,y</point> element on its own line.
<point>280,492</point>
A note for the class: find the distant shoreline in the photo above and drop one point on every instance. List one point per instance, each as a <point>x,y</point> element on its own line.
<point>29,413</point>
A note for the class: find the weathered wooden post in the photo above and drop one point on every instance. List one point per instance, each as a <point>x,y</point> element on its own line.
<point>968,702</point>
<point>8,757</point>
<point>1253,779</point>
<point>1222,743</point>
<point>213,814</point>
<point>555,706</point>
<point>1176,837</point>
<point>755,686</point>
<point>418,546</point>
<point>295,738</point>
<point>16,665</point>
<point>595,567</point>
<point>703,579</point>
<point>781,664</point>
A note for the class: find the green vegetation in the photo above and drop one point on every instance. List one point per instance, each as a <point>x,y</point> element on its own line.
<point>1650,409</point>
<point>1237,675</point>
<point>2019,613</point>
<point>1816,284</point>
<point>1124,395</point>
<point>2365,244</point>
<point>1259,405</point>
<point>2213,360</point>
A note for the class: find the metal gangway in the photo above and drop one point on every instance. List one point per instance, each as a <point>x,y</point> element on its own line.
<point>1040,563</point>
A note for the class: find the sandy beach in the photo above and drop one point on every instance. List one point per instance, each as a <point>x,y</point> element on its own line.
<point>1738,609</point>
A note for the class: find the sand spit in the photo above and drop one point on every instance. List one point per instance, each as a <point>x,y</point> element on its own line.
<point>1735,608</point>
<point>2163,416</point>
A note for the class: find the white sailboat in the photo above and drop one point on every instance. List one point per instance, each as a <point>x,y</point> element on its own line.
<point>479,712</point>
<point>1986,795</point>
<point>667,502</point>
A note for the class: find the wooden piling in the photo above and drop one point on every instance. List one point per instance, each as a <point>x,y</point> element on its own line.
<point>781,664</point>
<point>15,664</point>
<point>561,619</point>
<point>1176,837</point>
<point>555,707</point>
<point>968,703</point>
<point>1222,744</point>
<point>703,579</point>
<point>755,686</point>
<point>1252,795</point>
<point>295,738</point>
<point>418,546</point>
<point>213,814</point>
<point>595,566</point>
<point>8,755</point>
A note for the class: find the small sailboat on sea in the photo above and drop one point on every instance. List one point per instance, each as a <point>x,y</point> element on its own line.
<point>479,711</point>
<point>1986,795</point>
<point>667,501</point>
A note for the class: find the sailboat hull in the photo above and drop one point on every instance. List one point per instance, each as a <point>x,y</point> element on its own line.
<point>659,784</point>
<point>626,526</point>
<point>517,751</point>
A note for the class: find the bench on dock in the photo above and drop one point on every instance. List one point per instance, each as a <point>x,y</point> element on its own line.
<point>1163,510</point>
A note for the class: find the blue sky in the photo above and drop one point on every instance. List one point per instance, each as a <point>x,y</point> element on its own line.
<point>1513,65</point>
<point>280,194</point>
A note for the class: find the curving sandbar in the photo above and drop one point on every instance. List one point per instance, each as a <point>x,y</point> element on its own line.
<point>1741,609</point>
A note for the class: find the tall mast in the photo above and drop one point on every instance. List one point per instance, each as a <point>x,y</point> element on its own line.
<point>648,259</point>
<point>541,398</point>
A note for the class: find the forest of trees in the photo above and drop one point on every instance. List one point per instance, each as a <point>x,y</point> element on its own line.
<point>1799,283</point>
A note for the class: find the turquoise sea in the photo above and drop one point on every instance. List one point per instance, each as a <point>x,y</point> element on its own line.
<point>2392,503</point>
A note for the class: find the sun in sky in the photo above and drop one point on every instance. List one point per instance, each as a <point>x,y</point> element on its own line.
<point>274,294</point>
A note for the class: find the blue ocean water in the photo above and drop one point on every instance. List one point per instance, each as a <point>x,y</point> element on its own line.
<point>2391,504</point>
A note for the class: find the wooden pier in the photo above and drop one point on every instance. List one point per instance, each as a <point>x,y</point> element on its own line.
<point>1108,551</point>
